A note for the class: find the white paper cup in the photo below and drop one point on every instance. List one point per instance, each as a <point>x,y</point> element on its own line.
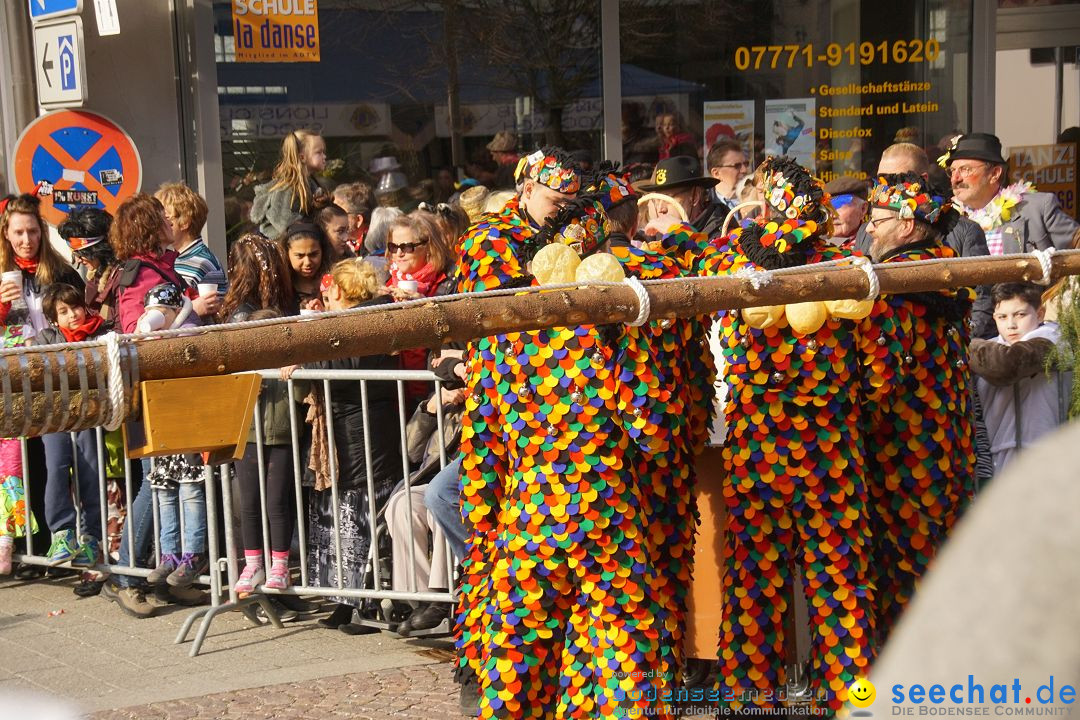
<point>207,289</point>
<point>308,311</point>
<point>12,276</point>
<point>408,285</point>
<point>153,319</point>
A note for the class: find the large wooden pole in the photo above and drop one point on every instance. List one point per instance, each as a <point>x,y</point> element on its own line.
<point>294,341</point>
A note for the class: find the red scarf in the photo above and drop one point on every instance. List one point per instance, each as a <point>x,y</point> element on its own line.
<point>86,329</point>
<point>29,266</point>
<point>427,278</point>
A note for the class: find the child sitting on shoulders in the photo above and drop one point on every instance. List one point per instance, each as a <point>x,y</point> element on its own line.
<point>1021,403</point>
<point>177,480</point>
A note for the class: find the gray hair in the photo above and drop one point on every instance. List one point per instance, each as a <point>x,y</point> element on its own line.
<point>381,218</point>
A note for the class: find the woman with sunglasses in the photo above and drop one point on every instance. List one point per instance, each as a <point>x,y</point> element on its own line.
<point>86,231</point>
<point>420,265</point>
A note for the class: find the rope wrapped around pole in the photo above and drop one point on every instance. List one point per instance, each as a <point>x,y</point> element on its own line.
<point>243,347</point>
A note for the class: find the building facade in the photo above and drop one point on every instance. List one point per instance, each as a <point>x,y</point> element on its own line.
<point>208,89</point>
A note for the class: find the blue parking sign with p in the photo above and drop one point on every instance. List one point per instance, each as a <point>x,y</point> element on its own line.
<point>44,9</point>
<point>67,62</point>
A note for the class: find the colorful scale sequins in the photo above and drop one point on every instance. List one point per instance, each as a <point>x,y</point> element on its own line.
<point>920,458</point>
<point>796,496</point>
<point>577,484</point>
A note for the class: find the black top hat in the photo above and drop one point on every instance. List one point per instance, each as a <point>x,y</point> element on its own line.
<point>676,172</point>
<point>977,146</point>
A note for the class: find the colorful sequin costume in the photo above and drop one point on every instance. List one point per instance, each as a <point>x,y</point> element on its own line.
<point>919,420</point>
<point>565,610</point>
<point>794,456</point>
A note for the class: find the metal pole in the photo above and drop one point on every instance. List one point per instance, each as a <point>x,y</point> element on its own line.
<point>26,495</point>
<point>611,65</point>
<point>368,472</point>
<point>1059,87</point>
<point>261,458</point>
<point>103,492</point>
<point>231,565</point>
<point>298,484</point>
<point>80,521</point>
<point>335,497</point>
<point>408,485</point>
<point>212,530</point>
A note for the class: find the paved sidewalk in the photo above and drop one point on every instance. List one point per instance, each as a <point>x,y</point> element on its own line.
<point>104,662</point>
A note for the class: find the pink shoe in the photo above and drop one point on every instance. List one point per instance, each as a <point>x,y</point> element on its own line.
<point>278,579</point>
<point>7,546</point>
<point>252,577</point>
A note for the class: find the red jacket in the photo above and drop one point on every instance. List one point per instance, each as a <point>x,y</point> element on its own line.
<point>149,270</point>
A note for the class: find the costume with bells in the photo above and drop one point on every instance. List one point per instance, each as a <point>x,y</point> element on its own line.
<point>918,417</point>
<point>796,493</point>
<point>565,611</point>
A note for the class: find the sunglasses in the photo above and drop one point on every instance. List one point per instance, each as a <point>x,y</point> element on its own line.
<point>743,164</point>
<point>407,248</point>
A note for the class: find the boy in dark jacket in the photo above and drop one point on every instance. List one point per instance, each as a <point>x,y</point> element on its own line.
<point>72,321</point>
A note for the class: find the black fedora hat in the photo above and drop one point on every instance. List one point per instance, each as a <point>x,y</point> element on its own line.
<point>977,146</point>
<point>676,172</point>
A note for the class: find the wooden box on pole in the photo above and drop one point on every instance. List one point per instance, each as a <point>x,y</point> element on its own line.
<point>194,415</point>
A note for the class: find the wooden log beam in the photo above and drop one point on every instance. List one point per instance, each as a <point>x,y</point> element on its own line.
<point>296,341</point>
<point>432,324</point>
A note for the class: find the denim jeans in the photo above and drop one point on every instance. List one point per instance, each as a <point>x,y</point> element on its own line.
<point>188,499</point>
<point>141,522</point>
<point>443,499</point>
<point>60,459</point>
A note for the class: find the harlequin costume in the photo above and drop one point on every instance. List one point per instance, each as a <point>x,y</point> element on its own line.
<point>565,610</point>
<point>793,453</point>
<point>917,393</point>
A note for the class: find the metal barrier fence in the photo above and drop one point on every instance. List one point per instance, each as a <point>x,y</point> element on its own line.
<point>224,558</point>
<point>223,549</point>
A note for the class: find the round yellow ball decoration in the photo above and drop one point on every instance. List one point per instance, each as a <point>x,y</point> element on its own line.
<point>555,264</point>
<point>600,267</point>
<point>763,316</point>
<point>849,309</point>
<point>806,318</point>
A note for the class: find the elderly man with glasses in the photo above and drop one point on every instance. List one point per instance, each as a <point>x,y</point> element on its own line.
<point>1014,217</point>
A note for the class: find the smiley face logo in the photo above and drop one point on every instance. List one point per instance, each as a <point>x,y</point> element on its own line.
<point>862,693</point>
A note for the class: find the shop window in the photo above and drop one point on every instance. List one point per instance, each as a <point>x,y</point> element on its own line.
<point>830,82</point>
<point>387,76</point>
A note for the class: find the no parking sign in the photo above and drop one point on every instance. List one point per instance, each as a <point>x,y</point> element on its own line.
<point>81,158</point>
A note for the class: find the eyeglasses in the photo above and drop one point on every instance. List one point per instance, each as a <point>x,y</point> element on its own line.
<point>743,164</point>
<point>966,170</point>
<point>407,248</point>
<point>877,221</point>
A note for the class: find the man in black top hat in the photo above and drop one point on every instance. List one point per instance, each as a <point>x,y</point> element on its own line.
<point>680,177</point>
<point>1015,218</point>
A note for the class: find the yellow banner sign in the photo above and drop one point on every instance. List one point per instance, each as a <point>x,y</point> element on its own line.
<point>1050,168</point>
<point>276,30</point>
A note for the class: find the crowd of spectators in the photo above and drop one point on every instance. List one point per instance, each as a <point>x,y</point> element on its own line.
<point>309,248</point>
